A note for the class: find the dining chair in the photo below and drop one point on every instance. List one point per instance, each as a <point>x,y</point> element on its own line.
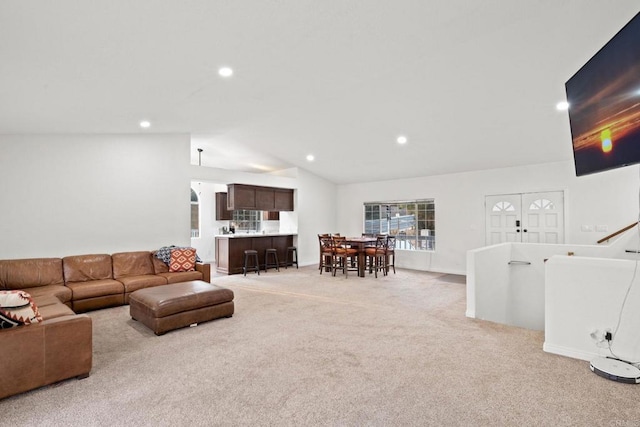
<point>377,255</point>
<point>327,258</point>
<point>320,237</point>
<point>390,254</point>
<point>345,257</point>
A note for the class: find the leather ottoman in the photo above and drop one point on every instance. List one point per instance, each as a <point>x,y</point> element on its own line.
<point>168,307</point>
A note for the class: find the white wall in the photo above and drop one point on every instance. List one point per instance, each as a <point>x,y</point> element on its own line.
<point>609,198</point>
<point>317,213</point>
<point>77,194</point>
<point>65,195</point>
<point>583,295</point>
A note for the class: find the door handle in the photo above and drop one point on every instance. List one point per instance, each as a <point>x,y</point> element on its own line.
<point>524,231</point>
<point>517,230</point>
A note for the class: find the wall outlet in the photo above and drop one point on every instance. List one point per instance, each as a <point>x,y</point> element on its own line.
<point>586,228</point>
<point>602,228</point>
<point>597,335</point>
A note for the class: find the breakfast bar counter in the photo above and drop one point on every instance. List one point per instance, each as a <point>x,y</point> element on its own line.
<point>229,249</point>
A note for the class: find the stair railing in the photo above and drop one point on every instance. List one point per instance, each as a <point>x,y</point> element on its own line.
<point>622,230</point>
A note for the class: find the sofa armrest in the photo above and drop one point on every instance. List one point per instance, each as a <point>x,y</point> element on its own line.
<point>37,355</point>
<point>205,269</point>
<point>22,358</point>
<point>68,348</point>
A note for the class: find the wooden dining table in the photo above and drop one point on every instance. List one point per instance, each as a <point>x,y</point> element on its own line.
<point>360,243</point>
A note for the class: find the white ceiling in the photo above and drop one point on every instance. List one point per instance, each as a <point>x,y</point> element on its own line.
<point>472,84</point>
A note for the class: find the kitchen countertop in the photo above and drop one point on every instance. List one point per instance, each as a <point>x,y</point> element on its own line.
<point>243,235</point>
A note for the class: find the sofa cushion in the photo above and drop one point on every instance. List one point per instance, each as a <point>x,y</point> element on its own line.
<point>61,292</point>
<point>28,273</point>
<point>182,260</point>
<point>133,283</point>
<point>95,288</point>
<point>132,264</point>
<point>51,311</point>
<point>17,308</point>
<point>45,300</point>
<point>182,276</point>
<point>84,268</point>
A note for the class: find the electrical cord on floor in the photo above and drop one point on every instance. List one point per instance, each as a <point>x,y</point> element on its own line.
<point>626,295</point>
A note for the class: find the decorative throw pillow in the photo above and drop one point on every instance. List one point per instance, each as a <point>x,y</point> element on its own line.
<point>164,253</point>
<point>17,308</point>
<point>183,259</point>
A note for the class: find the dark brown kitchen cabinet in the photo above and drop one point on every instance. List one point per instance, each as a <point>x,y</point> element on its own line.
<point>270,216</point>
<point>255,197</point>
<point>229,250</point>
<point>240,196</point>
<point>265,199</point>
<point>222,213</point>
<point>283,199</point>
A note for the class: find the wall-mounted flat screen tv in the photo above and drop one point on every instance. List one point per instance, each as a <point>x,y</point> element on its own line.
<point>604,105</point>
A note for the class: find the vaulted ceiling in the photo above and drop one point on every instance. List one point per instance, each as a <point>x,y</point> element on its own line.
<point>471,84</point>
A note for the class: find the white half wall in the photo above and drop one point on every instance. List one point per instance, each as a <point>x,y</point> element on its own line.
<point>78,194</point>
<point>609,198</point>
<point>585,295</point>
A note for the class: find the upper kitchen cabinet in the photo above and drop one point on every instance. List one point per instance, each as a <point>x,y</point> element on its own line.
<point>265,199</point>
<point>222,213</point>
<point>240,196</point>
<point>283,199</point>
<point>254,197</point>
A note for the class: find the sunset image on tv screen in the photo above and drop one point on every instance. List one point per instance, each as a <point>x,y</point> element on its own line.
<point>604,105</point>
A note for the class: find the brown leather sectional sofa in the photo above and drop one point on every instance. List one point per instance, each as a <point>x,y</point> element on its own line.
<point>60,346</point>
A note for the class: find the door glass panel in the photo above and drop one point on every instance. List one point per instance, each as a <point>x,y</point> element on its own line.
<point>541,204</point>
<point>503,207</point>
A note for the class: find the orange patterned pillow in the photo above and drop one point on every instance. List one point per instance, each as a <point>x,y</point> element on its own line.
<point>183,259</point>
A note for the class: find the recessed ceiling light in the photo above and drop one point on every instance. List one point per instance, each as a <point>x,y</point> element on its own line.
<point>225,72</point>
<point>402,139</point>
<point>562,106</point>
<point>145,124</point>
<point>310,158</point>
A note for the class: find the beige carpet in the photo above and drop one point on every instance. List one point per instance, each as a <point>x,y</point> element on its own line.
<point>304,349</point>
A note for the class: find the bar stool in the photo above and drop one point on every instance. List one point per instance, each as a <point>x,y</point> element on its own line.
<point>253,254</point>
<point>274,256</point>
<point>294,256</point>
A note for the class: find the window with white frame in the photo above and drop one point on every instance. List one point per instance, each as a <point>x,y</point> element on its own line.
<point>412,222</point>
<point>195,215</point>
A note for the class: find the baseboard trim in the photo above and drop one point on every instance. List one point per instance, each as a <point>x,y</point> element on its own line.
<point>568,352</point>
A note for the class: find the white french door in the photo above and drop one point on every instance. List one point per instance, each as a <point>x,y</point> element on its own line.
<point>525,217</point>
